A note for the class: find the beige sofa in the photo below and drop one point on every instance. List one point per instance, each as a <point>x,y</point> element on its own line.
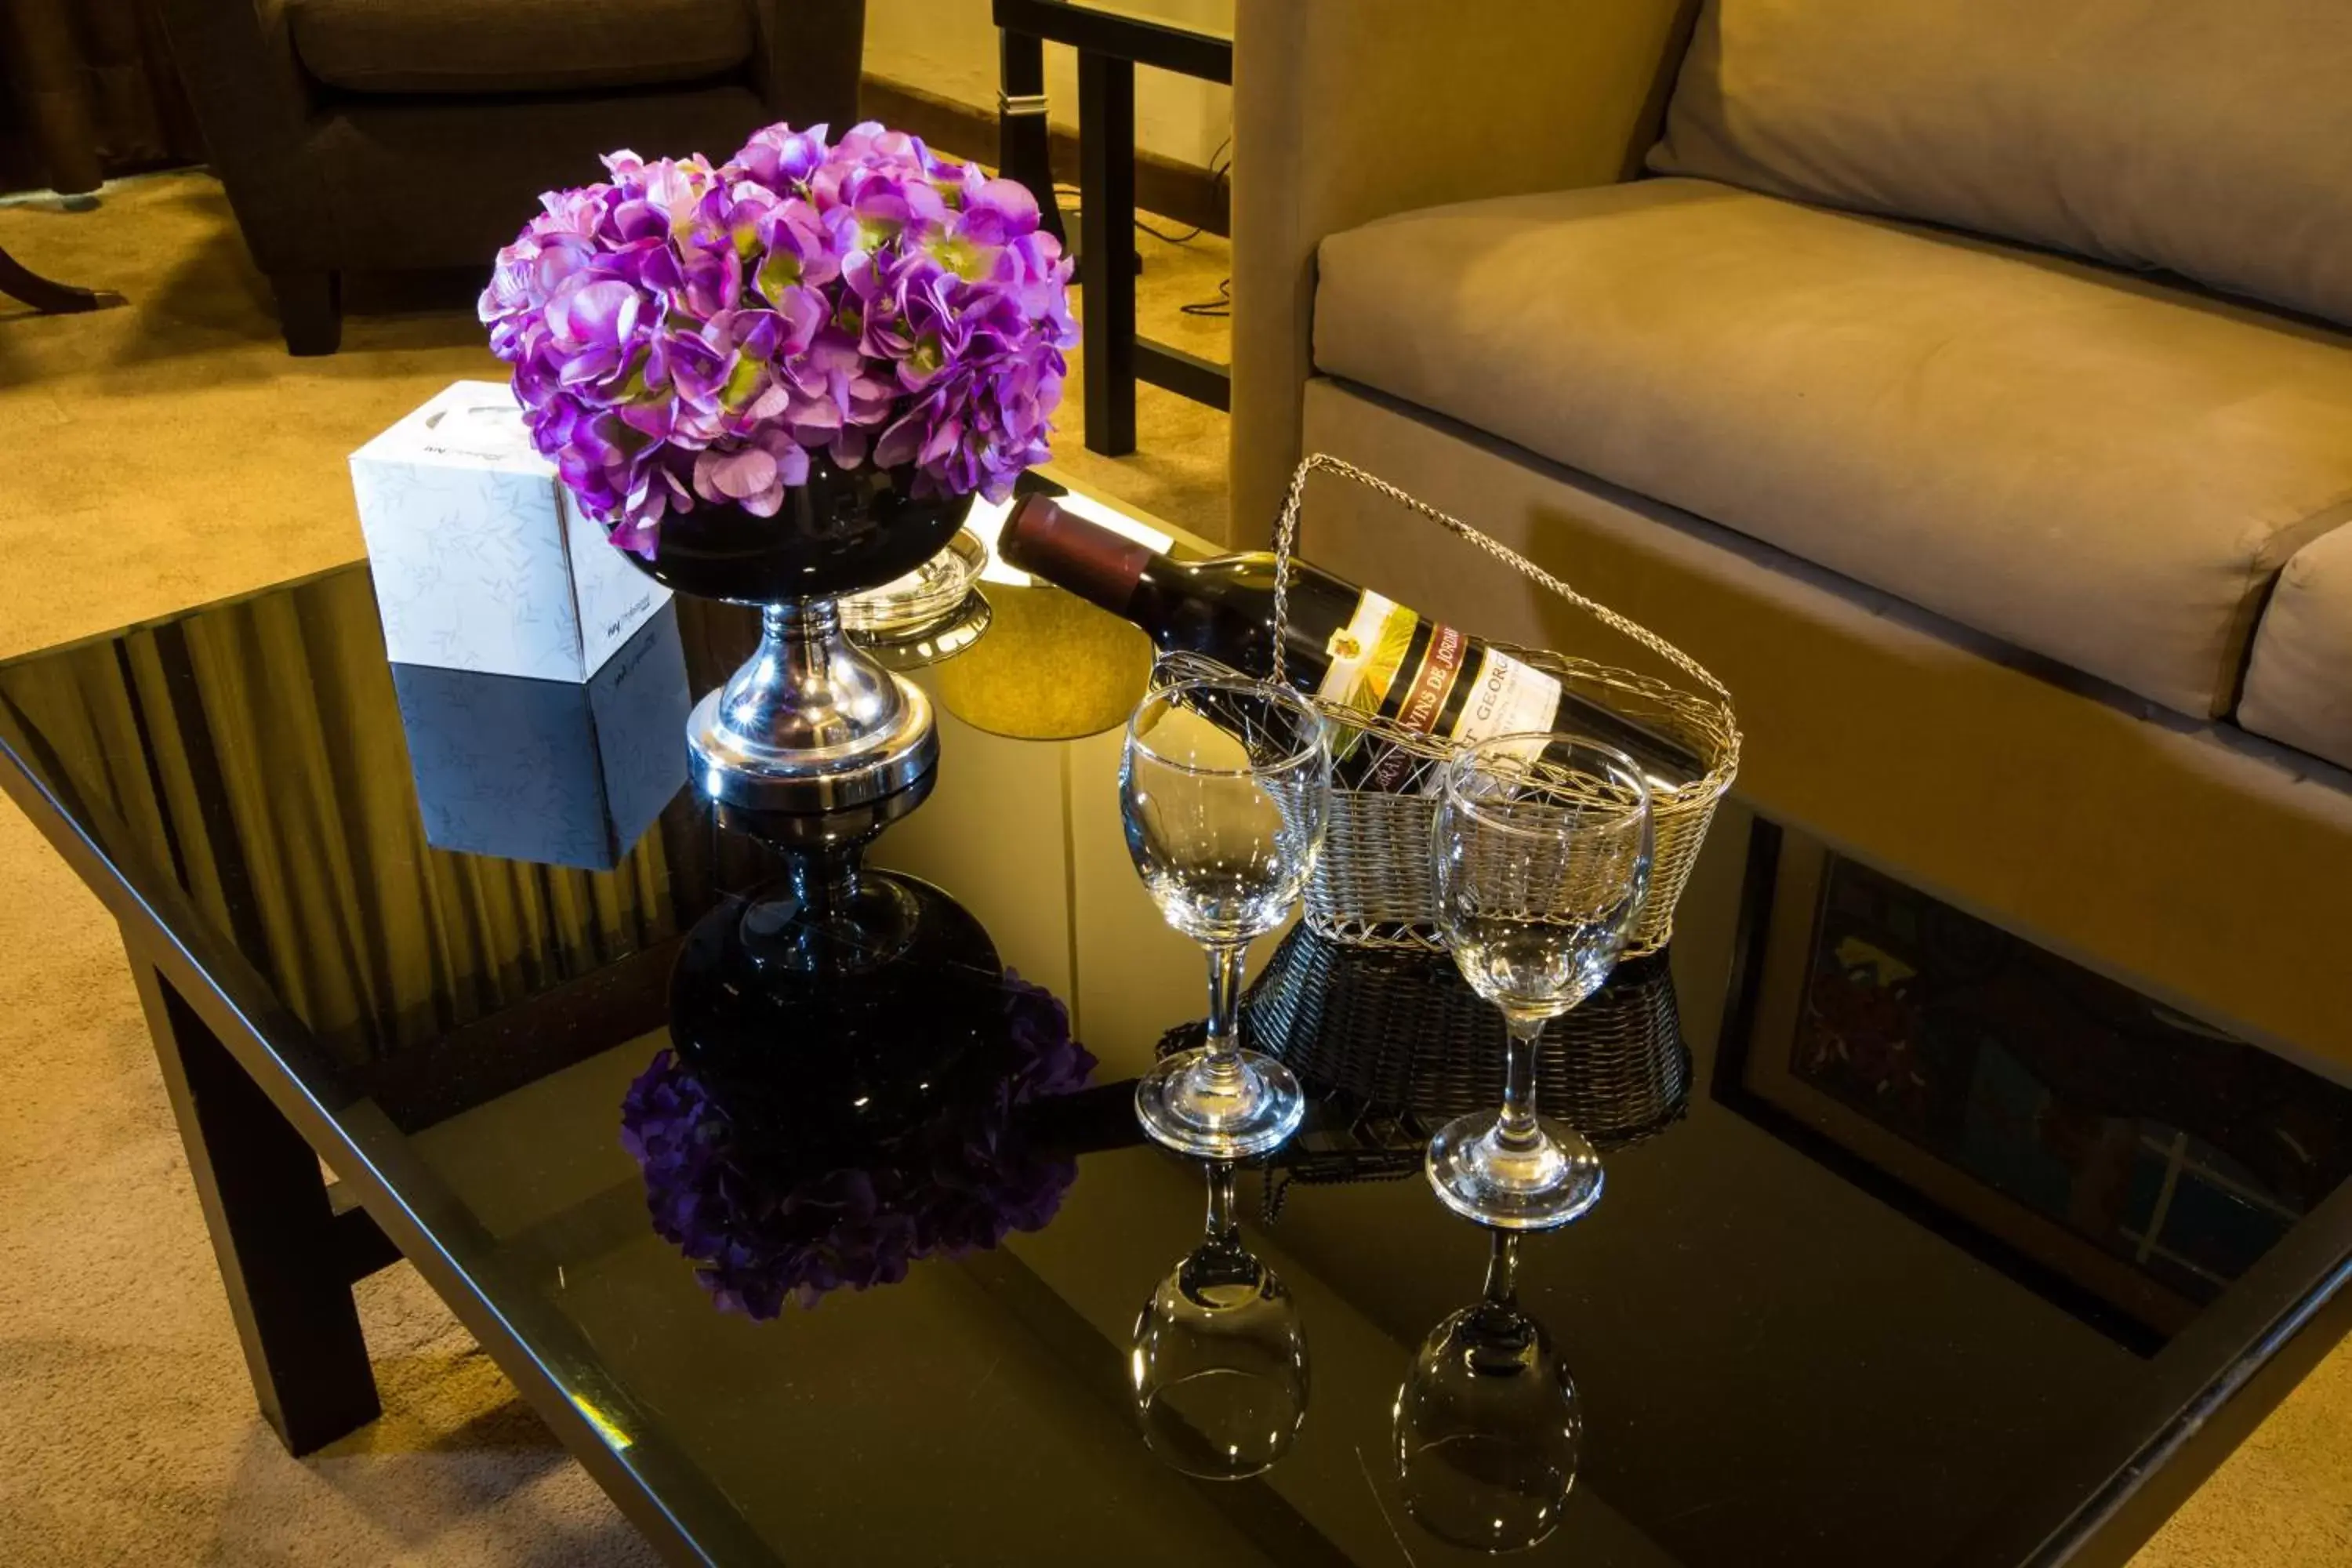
<point>1968,386</point>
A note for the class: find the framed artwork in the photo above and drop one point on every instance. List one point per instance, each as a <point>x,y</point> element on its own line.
<point>2123,1158</point>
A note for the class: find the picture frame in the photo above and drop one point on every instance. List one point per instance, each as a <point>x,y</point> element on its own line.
<point>2027,1108</point>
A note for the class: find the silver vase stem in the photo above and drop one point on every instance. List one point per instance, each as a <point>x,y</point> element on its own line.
<point>811,722</point>
<point>807,688</point>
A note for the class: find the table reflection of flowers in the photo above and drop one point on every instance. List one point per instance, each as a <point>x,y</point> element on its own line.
<point>765,1225</point>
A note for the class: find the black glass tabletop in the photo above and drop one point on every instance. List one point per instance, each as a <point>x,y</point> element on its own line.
<point>792,1171</point>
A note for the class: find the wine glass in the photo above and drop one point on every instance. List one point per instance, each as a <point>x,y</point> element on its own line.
<point>1488,1426</point>
<point>1223,788</point>
<point>1219,1361</point>
<point>1541,852</point>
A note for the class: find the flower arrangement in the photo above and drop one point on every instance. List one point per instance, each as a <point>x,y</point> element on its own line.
<point>956,1183</point>
<point>683,334</point>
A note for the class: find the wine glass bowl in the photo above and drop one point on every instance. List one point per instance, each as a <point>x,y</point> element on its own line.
<point>1224,787</point>
<point>1218,1365</point>
<point>1222,811</point>
<point>1540,849</point>
<point>1488,1427</point>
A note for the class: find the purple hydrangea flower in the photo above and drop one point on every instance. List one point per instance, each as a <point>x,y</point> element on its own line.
<point>960,1182</point>
<point>684,335</point>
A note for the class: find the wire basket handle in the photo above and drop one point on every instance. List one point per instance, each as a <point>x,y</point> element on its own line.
<point>1286,538</point>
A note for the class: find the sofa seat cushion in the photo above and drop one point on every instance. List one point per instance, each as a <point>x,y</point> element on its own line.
<point>2084,464</point>
<point>516,45</point>
<point>2211,137</point>
<point>2299,681</point>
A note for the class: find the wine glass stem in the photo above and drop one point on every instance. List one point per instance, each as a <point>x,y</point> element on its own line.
<point>1516,1128</point>
<point>1221,1229</point>
<point>1502,1268</point>
<point>1225,960</point>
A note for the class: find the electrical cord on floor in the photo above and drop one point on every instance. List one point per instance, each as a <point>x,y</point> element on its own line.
<point>1068,197</point>
<point>1221,170</point>
<point>1219,308</point>
<point>1219,174</point>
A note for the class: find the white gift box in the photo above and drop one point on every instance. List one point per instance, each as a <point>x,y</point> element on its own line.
<point>481,561</point>
<point>569,773</point>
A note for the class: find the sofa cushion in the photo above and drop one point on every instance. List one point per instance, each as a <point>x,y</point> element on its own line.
<point>386,163</point>
<point>516,45</point>
<point>2210,137</point>
<point>2299,681</point>
<point>2077,461</point>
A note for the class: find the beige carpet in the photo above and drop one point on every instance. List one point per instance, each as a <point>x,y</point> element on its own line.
<point>170,452</point>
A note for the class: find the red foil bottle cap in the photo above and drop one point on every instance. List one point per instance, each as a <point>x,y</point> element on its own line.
<point>1086,558</point>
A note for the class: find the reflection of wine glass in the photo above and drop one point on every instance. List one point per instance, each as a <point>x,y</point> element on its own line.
<point>1219,1365</point>
<point>1541,852</point>
<point>1488,1425</point>
<point>1223,788</point>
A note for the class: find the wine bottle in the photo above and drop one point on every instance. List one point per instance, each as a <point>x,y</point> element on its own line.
<point>1346,645</point>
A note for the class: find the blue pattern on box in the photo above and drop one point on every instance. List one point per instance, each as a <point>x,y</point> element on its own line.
<point>481,558</point>
<point>565,773</point>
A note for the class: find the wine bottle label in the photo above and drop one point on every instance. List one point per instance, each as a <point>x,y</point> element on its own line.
<point>1508,698</point>
<point>1456,685</point>
<point>1424,700</point>
<point>1366,653</point>
<point>1441,666</point>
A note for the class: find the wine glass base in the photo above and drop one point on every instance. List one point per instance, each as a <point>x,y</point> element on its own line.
<point>1183,1107</point>
<point>1536,1189</point>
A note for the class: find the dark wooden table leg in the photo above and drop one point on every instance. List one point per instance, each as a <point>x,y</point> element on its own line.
<point>309,310</point>
<point>19,282</point>
<point>285,1257</point>
<point>1107,244</point>
<point>1024,141</point>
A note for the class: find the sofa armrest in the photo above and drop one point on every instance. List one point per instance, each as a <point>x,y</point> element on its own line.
<point>806,59</point>
<point>1347,110</point>
<point>253,104</point>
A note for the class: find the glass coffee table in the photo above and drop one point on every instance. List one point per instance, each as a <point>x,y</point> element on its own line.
<point>1919,1245</point>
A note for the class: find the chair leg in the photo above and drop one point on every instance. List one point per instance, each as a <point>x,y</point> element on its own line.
<point>47,295</point>
<point>309,310</point>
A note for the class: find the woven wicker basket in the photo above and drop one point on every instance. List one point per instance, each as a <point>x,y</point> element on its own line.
<point>1372,885</point>
<point>1391,1045</point>
<point>1403,1030</point>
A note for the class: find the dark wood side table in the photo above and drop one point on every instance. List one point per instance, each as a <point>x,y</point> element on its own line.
<point>46,295</point>
<point>1111,42</point>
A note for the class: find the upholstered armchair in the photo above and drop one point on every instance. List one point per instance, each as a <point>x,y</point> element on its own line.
<point>391,134</point>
